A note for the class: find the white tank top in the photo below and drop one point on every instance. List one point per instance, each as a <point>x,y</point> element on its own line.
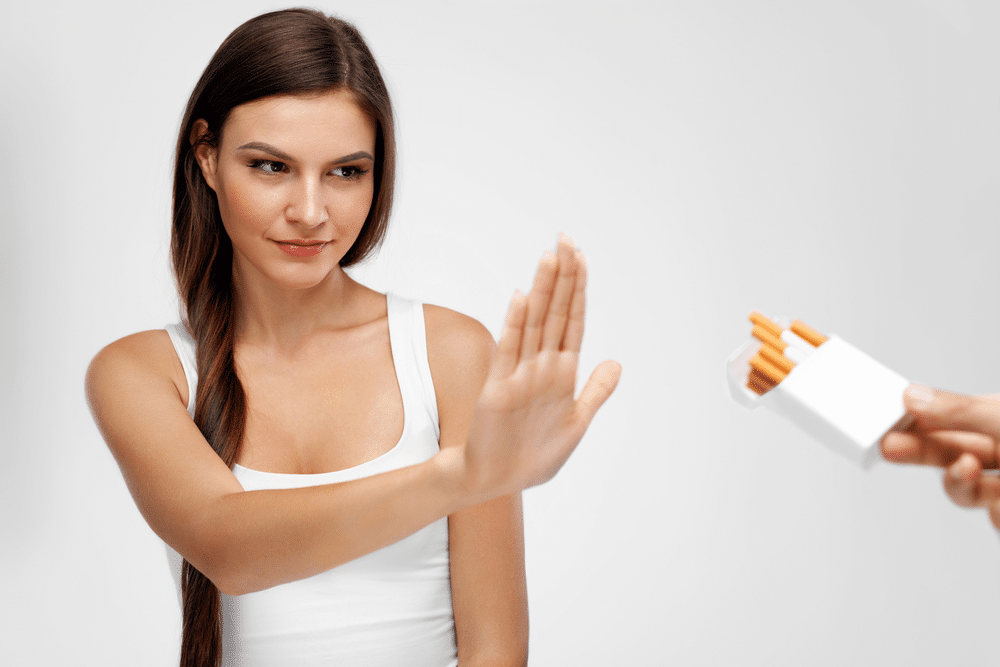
<point>389,607</point>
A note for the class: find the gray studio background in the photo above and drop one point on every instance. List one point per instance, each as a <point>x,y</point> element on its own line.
<point>832,161</point>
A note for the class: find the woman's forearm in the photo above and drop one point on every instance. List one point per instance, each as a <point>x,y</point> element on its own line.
<point>253,540</point>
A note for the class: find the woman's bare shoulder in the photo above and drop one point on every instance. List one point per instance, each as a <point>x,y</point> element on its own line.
<point>143,356</point>
<point>459,350</point>
<point>456,338</point>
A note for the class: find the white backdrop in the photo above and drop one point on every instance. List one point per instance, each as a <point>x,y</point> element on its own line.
<point>833,161</point>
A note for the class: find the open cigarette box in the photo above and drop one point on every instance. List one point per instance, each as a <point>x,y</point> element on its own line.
<point>833,391</point>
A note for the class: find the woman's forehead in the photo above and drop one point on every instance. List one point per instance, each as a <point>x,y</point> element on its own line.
<point>327,120</point>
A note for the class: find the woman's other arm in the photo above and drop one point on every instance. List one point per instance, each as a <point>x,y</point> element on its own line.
<point>486,542</point>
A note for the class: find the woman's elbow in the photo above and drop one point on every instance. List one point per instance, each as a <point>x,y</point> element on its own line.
<point>219,558</point>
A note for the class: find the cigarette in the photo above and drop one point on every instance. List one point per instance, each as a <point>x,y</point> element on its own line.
<point>769,370</point>
<point>758,383</point>
<point>838,395</point>
<point>780,350</point>
<point>757,387</point>
<point>765,324</point>
<point>783,363</point>
<point>768,338</point>
<point>808,334</point>
<point>759,378</point>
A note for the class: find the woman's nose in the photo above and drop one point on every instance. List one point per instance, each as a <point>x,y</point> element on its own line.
<point>308,206</point>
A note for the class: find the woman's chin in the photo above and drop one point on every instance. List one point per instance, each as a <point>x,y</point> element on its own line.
<point>294,278</point>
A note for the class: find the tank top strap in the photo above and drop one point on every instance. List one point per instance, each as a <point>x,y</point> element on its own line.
<point>185,347</point>
<point>408,338</point>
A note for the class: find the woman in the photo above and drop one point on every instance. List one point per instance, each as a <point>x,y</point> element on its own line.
<point>344,466</point>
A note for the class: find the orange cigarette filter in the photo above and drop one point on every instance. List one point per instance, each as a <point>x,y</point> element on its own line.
<point>783,363</point>
<point>765,324</point>
<point>757,381</point>
<point>757,384</point>
<point>764,372</point>
<point>771,366</point>
<point>769,370</point>
<point>769,339</point>
<point>807,333</point>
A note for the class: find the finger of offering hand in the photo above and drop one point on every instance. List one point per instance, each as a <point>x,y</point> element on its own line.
<point>967,486</point>
<point>995,514</point>
<point>938,448</point>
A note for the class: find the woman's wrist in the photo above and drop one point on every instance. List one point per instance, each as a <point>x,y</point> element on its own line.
<point>456,480</point>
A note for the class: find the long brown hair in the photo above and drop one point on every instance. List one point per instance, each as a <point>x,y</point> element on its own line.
<point>286,52</point>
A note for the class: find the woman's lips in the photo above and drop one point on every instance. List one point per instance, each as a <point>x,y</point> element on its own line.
<point>302,248</point>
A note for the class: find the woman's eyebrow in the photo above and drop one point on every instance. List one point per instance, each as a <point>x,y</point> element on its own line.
<point>281,155</point>
<point>266,148</point>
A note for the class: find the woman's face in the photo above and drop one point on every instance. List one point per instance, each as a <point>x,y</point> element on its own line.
<point>294,178</point>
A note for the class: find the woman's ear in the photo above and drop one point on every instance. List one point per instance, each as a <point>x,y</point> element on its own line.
<point>205,151</point>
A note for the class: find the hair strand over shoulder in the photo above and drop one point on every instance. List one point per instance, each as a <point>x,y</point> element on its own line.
<point>289,52</point>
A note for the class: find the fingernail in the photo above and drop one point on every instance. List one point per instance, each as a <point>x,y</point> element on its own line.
<point>920,396</point>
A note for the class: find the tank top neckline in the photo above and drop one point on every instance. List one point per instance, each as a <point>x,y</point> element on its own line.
<point>395,325</point>
<point>239,470</point>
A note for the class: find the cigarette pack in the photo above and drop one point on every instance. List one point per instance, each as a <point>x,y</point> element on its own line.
<point>836,393</point>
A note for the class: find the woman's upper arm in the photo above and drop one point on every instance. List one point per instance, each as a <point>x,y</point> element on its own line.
<point>170,469</point>
<point>486,541</point>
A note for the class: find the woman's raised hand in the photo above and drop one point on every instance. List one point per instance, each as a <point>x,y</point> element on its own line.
<point>528,419</point>
<point>958,432</point>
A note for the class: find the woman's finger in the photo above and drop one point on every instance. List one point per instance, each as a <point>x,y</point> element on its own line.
<point>558,311</point>
<point>505,356</point>
<point>600,385</point>
<point>573,339</point>
<point>538,305</point>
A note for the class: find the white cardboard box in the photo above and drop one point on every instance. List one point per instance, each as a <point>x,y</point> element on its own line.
<point>838,395</point>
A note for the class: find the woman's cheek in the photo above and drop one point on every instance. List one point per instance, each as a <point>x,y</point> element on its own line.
<point>360,208</point>
<point>250,204</point>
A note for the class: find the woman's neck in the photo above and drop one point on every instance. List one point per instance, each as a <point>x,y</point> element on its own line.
<point>283,318</point>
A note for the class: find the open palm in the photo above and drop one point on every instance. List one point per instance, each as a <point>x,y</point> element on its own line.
<point>528,419</point>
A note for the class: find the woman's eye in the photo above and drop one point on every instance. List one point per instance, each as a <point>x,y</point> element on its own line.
<point>350,172</point>
<point>268,166</point>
